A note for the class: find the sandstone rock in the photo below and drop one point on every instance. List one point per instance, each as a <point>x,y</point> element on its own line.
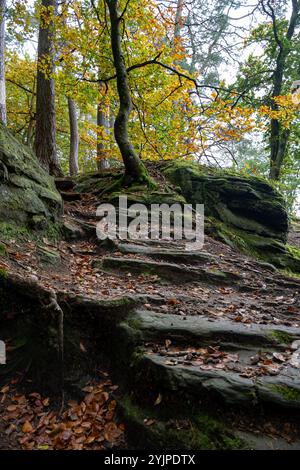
<point>29,199</point>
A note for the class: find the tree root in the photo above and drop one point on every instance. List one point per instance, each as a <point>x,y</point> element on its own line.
<point>55,307</point>
<point>5,171</point>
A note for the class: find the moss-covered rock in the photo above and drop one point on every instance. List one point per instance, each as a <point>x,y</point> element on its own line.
<point>243,211</point>
<point>29,199</point>
<point>109,186</point>
<point>48,256</point>
<point>175,427</point>
<point>248,203</point>
<point>272,250</point>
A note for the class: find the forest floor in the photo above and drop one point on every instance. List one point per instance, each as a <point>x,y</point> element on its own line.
<point>263,296</point>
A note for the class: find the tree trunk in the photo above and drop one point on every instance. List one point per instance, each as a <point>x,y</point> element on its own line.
<point>45,136</point>
<point>2,62</point>
<point>102,123</point>
<point>178,19</point>
<point>74,138</point>
<point>30,132</point>
<point>111,125</point>
<point>134,168</point>
<point>279,136</point>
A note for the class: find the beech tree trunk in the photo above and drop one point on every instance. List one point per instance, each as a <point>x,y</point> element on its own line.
<point>74,138</point>
<point>2,62</point>
<point>134,168</point>
<point>102,123</point>
<point>102,162</point>
<point>45,136</point>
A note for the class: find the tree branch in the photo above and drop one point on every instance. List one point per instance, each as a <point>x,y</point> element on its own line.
<point>124,11</point>
<point>20,86</point>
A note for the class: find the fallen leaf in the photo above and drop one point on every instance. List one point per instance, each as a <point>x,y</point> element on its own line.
<point>158,399</point>
<point>149,422</point>
<point>172,302</point>
<point>279,357</point>
<point>27,427</point>
<point>12,408</point>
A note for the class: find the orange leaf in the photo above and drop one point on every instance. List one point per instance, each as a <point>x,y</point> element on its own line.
<point>27,427</point>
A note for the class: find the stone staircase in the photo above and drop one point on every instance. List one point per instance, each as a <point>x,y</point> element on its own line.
<point>220,329</point>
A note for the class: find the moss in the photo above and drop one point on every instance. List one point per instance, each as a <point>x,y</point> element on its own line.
<point>293,251</point>
<point>290,273</point>
<point>280,337</point>
<point>267,249</point>
<point>137,358</point>
<point>135,323</point>
<point>3,273</point>
<point>3,251</point>
<point>199,430</point>
<point>54,231</point>
<point>10,230</point>
<point>286,392</point>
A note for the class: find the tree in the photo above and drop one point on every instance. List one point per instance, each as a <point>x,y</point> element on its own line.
<point>279,135</point>
<point>45,136</point>
<point>171,112</point>
<point>103,129</point>
<point>2,62</point>
<point>74,138</point>
<point>135,171</point>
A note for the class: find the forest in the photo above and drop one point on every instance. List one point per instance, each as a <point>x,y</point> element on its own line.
<point>149,225</point>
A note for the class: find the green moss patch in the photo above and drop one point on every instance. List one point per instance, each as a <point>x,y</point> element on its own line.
<point>2,249</point>
<point>170,428</point>
<point>281,337</point>
<point>288,393</point>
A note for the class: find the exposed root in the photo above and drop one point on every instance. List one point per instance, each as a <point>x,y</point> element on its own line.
<point>55,307</point>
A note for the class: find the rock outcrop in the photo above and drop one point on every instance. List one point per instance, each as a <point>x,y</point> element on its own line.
<point>29,199</point>
<point>244,211</point>
<point>246,203</point>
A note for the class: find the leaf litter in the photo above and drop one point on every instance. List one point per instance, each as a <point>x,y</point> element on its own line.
<point>89,424</point>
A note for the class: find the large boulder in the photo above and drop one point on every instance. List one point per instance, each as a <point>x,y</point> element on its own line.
<point>244,211</point>
<point>29,199</point>
<point>247,203</point>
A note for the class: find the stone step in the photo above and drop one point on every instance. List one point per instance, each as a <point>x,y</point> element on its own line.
<point>200,331</point>
<point>234,378</point>
<point>76,229</point>
<point>230,387</point>
<point>255,441</point>
<point>168,271</point>
<point>64,184</point>
<point>70,196</point>
<point>172,255</point>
